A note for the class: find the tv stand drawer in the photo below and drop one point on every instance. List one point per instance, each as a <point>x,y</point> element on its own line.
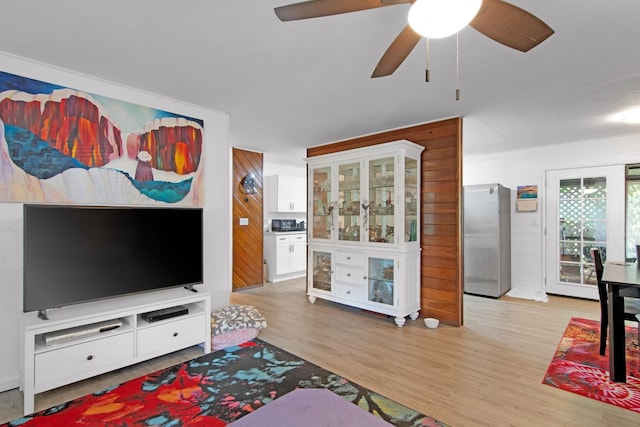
<point>171,334</point>
<point>75,362</point>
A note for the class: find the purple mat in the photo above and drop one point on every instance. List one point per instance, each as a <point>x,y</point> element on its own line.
<point>310,407</point>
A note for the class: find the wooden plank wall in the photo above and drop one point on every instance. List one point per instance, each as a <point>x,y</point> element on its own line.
<point>441,192</point>
<point>247,239</point>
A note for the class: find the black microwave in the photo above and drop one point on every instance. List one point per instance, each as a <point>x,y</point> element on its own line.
<point>283,225</point>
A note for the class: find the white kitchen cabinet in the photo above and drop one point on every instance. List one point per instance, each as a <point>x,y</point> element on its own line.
<point>364,228</point>
<point>285,254</point>
<point>285,193</point>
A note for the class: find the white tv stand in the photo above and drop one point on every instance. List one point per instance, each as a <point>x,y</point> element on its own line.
<point>45,367</point>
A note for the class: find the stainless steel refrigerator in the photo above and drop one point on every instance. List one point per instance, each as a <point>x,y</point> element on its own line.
<point>487,239</point>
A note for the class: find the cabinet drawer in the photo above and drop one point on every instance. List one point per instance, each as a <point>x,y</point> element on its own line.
<point>350,258</point>
<point>353,293</point>
<point>349,274</point>
<point>291,238</point>
<point>169,335</point>
<point>74,362</point>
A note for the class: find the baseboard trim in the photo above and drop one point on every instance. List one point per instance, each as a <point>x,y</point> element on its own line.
<point>536,295</point>
<point>9,383</point>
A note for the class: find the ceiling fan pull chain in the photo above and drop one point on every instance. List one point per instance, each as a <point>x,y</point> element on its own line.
<point>426,73</point>
<point>458,66</point>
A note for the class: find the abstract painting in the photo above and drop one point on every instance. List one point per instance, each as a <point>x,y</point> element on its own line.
<point>62,145</point>
<point>527,198</point>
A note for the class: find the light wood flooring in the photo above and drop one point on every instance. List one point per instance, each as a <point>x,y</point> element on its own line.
<point>487,373</point>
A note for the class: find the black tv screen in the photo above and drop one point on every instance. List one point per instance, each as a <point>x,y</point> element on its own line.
<point>74,254</point>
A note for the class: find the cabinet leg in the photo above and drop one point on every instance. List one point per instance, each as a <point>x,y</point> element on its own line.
<point>312,299</point>
<point>414,315</point>
<point>29,402</point>
<point>400,321</point>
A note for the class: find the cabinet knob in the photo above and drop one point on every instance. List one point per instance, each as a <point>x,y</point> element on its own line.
<point>90,357</point>
<point>348,292</point>
<point>348,274</point>
<point>175,334</point>
<point>348,258</point>
<point>364,277</point>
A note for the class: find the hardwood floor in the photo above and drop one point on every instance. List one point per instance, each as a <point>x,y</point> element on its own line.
<point>486,373</point>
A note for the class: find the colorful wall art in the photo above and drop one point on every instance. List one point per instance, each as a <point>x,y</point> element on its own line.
<point>61,145</point>
<point>527,198</point>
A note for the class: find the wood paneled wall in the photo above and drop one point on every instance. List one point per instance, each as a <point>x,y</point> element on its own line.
<point>441,201</point>
<point>247,239</point>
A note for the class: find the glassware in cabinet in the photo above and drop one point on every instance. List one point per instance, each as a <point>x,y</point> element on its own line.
<point>411,196</point>
<point>322,206</point>
<point>381,284</point>
<point>322,270</point>
<point>381,200</point>
<point>349,217</point>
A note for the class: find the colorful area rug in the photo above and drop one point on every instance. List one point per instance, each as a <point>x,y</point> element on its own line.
<point>578,367</point>
<point>214,390</point>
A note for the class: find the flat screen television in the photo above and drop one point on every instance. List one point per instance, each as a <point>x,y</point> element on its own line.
<point>75,254</point>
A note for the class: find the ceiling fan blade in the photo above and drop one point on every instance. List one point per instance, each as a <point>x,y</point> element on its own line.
<point>390,2</point>
<point>317,8</point>
<point>397,52</point>
<point>509,25</point>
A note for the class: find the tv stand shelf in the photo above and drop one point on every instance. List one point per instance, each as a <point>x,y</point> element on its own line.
<point>45,367</point>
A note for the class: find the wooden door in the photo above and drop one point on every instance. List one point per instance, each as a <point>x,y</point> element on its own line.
<point>247,221</point>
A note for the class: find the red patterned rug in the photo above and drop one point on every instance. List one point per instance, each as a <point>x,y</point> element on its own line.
<point>214,390</point>
<point>578,367</point>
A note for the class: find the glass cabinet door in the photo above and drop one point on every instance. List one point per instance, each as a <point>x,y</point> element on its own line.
<point>381,286</point>
<point>411,197</point>
<point>349,202</point>
<point>322,208</point>
<point>321,270</point>
<point>381,199</point>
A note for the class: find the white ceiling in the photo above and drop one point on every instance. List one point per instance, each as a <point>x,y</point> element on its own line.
<point>304,83</point>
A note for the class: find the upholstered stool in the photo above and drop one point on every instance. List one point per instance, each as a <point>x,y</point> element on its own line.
<point>235,324</point>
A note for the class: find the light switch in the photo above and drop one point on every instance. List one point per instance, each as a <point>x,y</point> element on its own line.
<point>244,221</point>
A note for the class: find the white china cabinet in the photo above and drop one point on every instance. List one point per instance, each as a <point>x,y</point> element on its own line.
<point>364,223</point>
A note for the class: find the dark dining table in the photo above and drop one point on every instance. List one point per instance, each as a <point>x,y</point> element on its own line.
<point>623,280</point>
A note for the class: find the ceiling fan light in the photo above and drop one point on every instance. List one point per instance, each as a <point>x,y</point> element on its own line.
<point>441,18</point>
<point>630,116</point>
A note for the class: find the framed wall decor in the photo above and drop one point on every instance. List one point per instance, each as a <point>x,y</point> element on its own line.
<point>62,145</point>
<point>527,198</point>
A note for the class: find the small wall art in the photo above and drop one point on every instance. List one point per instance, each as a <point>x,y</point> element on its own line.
<point>527,198</point>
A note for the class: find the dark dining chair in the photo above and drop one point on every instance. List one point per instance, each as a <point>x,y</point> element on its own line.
<point>631,305</point>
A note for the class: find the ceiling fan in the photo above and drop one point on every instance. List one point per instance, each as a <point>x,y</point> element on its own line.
<point>501,21</point>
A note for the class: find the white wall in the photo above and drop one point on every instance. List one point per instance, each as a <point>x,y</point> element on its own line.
<point>217,215</point>
<point>524,167</point>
